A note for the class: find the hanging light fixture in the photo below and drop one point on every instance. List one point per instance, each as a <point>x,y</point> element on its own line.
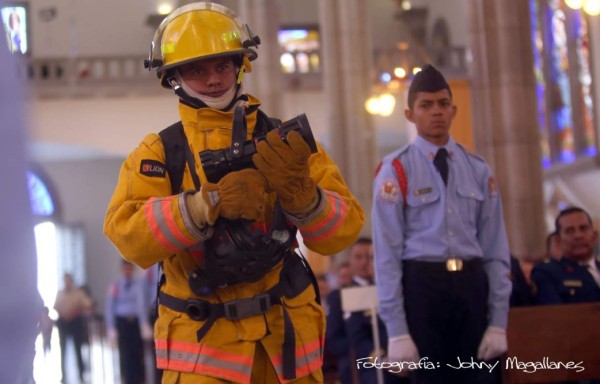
<point>574,4</point>
<point>387,103</point>
<point>382,105</point>
<point>164,7</point>
<point>400,72</point>
<point>592,7</point>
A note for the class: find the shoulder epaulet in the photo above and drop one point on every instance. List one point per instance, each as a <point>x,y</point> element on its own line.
<point>397,153</point>
<point>390,157</point>
<point>470,151</point>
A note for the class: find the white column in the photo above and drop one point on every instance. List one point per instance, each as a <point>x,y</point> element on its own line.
<point>347,62</point>
<point>265,80</point>
<point>505,118</point>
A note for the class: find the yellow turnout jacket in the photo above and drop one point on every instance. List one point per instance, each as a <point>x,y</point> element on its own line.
<point>148,224</point>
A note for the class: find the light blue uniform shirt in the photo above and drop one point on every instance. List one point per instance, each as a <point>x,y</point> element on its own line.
<point>126,301</point>
<point>463,220</point>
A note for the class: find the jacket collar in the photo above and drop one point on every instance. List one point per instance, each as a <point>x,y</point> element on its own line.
<point>195,116</point>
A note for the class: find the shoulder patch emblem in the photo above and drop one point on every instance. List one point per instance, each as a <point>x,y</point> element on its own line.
<point>492,187</point>
<point>389,191</point>
<point>152,168</point>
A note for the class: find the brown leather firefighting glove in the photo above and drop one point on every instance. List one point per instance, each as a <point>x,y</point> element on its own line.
<point>238,195</point>
<point>285,166</point>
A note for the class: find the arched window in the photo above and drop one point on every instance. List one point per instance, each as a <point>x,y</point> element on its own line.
<point>42,203</point>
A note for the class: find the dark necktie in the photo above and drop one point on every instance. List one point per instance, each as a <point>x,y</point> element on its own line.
<point>441,163</point>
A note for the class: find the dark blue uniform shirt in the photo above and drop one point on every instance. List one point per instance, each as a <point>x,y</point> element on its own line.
<point>564,282</point>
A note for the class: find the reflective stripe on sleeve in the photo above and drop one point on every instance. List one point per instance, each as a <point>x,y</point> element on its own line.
<point>161,221</point>
<point>327,226</point>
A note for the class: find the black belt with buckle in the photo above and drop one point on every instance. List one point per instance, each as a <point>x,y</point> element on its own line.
<point>448,265</point>
<point>200,310</point>
<point>454,265</point>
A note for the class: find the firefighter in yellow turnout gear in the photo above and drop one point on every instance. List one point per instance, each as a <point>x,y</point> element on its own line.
<point>262,326</point>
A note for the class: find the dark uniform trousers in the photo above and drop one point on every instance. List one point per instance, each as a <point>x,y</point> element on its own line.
<point>75,329</point>
<point>131,350</point>
<point>446,313</point>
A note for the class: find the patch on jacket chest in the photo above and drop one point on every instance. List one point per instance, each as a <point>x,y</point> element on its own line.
<point>152,168</point>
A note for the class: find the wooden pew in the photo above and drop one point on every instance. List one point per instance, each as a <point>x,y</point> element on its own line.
<point>551,335</point>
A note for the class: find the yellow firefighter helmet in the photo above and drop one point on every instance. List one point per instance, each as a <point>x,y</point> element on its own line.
<point>200,31</point>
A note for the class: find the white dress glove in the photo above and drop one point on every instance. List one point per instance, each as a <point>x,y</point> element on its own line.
<point>402,349</point>
<point>111,335</point>
<point>493,343</point>
<point>147,332</point>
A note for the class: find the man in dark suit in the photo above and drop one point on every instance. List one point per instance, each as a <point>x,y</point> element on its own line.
<point>349,335</point>
<point>575,278</point>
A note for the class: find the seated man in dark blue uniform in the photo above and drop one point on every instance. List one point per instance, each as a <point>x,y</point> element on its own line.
<point>349,335</point>
<point>575,278</point>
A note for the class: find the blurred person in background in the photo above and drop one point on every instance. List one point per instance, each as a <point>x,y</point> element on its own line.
<point>553,250</point>
<point>45,327</point>
<point>575,276</point>
<point>127,324</point>
<point>72,305</point>
<point>344,275</point>
<point>349,335</point>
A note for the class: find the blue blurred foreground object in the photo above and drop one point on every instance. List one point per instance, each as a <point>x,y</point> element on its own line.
<point>19,300</point>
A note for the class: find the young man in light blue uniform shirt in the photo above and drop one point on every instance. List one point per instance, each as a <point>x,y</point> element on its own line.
<point>441,251</point>
<point>126,317</point>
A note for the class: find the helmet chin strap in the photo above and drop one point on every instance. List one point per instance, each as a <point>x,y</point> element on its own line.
<point>185,92</point>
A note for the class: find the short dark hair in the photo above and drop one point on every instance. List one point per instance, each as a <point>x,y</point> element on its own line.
<point>364,240</point>
<point>569,211</point>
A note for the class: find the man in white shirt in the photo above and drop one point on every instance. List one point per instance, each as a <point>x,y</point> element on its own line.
<point>72,305</point>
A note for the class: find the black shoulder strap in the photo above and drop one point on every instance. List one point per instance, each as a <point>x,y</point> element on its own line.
<point>177,152</point>
<point>172,139</point>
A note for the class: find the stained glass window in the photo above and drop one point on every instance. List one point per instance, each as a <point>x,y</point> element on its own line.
<point>39,196</point>
<point>585,79</point>
<point>561,41</point>
<point>560,91</point>
<point>540,84</point>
